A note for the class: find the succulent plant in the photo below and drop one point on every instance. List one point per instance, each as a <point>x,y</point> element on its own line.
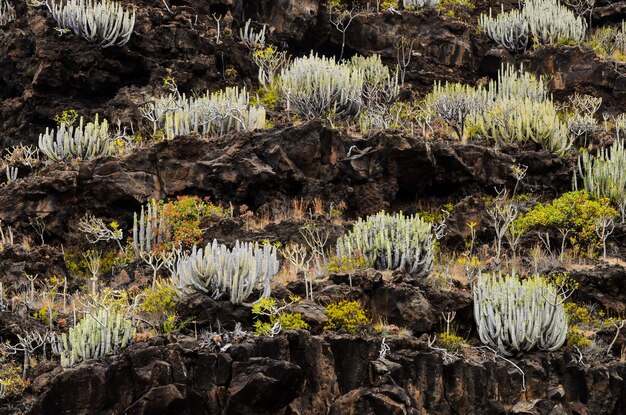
<point>604,175</point>
<point>550,22</point>
<point>98,21</point>
<point>519,110</point>
<point>509,30</point>
<point>85,141</point>
<point>455,103</point>
<point>211,114</point>
<point>218,270</point>
<point>513,315</point>
<point>100,333</point>
<point>149,228</point>
<point>314,86</point>
<point>391,242</point>
<point>547,21</point>
<point>418,4</point>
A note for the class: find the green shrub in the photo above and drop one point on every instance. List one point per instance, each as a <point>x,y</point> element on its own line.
<point>346,315</point>
<point>574,214</point>
<point>347,264</point>
<point>450,341</point>
<point>271,319</point>
<point>11,382</point>
<point>576,338</point>
<point>159,304</point>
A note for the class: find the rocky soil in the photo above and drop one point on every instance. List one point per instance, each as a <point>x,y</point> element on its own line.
<point>298,372</point>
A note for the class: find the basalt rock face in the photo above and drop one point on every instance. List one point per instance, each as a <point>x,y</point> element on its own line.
<point>300,373</point>
<point>269,167</point>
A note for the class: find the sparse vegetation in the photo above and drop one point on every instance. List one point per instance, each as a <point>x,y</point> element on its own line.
<point>99,21</point>
<point>109,238</point>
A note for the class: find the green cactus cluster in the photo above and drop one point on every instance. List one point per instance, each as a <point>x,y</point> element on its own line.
<point>98,21</point>
<point>316,86</point>
<point>86,141</point>
<point>519,110</point>
<point>509,30</point>
<point>100,333</point>
<point>150,229</point>
<point>545,21</point>
<point>513,315</point>
<point>218,270</point>
<point>391,242</point>
<point>604,175</point>
<point>210,114</point>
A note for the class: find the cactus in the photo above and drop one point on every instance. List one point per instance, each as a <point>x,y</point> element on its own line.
<point>217,270</point>
<point>250,38</point>
<point>513,315</point>
<point>98,21</point>
<point>210,114</point>
<point>551,22</point>
<point>391,242</point>
<point>314,86</point>
<point>516,121</point>
<point>547,21</point>
<point>100,333</point>
<point>509,30</point>
<point>418,4</point>
<point>380,86</point>
<point>149,228</point>
<point>85,141</point>
<point>604,175</point>
<point>519,110</point>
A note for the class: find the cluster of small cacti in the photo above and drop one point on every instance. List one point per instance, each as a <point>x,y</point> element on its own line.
<point>316,86</point>
<point>149,228</point>
<point>218,270</point>
<point>513,315</point>
<point>391,242</point>
<point>604,175</point>
<point>509,30</point>
<point>210,114</point>
<point>7,12</point>
<point>547,21</point>
<point>418,4</point>
<point>550,22</point>
<point>519,110</point>
<point>85,141</point>
<point>98,21</point>
<point>100,333</point>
